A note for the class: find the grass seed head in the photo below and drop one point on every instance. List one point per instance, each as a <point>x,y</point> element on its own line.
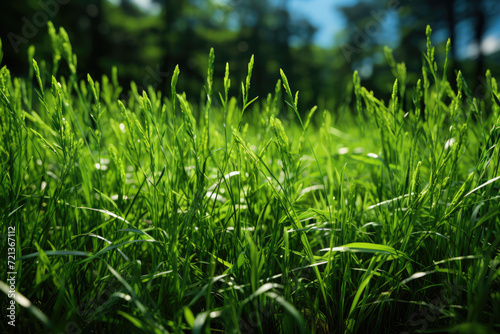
<point>279,131</point>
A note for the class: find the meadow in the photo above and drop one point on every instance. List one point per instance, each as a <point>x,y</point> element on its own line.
<point>137,212</point>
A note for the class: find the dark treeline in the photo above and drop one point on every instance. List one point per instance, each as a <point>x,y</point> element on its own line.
<point>146,46</point>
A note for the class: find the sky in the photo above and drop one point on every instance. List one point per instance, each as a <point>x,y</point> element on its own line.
<point>329,22</point>
<point>323,15</point>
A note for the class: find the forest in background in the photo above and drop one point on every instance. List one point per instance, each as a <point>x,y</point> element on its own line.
<point>145,46</point>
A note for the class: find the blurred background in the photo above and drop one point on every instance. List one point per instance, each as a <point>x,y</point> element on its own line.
<point>318,43</point>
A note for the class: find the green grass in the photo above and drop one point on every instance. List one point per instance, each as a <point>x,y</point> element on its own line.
<point>169,214</point>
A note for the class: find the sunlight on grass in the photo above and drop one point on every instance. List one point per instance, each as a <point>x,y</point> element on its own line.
<point>170,214</point>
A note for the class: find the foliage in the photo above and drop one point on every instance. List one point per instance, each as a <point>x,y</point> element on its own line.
<point>171,216</point>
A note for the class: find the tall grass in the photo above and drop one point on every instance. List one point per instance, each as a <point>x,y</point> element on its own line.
<point>163,214</point>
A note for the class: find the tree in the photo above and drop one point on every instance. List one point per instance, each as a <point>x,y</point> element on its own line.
<point>412,17</point>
